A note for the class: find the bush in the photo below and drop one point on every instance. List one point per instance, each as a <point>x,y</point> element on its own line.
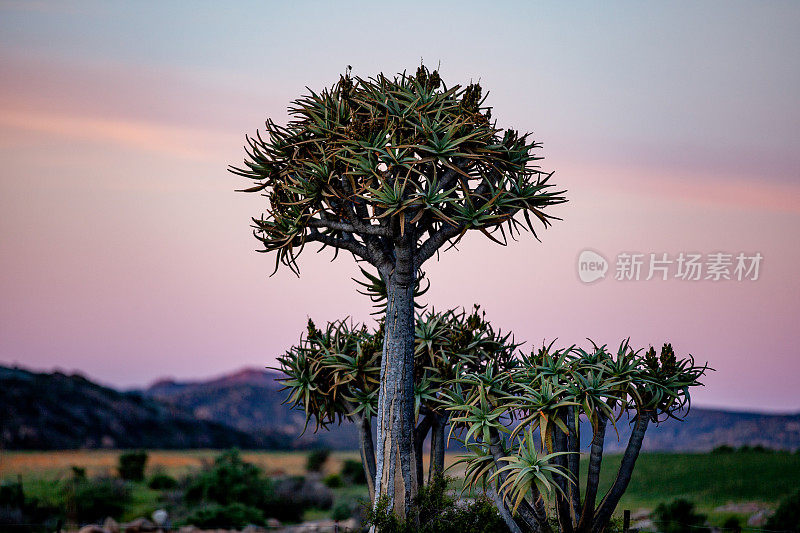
<point>723,449</point>
<point>16,508</point>
<point>439,513</point>
<point>353,472</point>
<point>787,515</point>
<point>304,492</point>
<point>231,481</point>
<point>679,516</point>
<point>732,524</point>
<point>162,481</point>
<point>131,465</point>
<point>235,515</point>
<point>342,510</point>
<point>333,481</point>
<point>95,499</point>
<point>316,460</point>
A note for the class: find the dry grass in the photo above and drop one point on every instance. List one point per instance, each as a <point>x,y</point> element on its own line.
<point>58,464</point>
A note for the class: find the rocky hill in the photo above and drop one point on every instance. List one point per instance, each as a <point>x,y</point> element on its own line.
<point>58,411</point>
<point>251,401</point>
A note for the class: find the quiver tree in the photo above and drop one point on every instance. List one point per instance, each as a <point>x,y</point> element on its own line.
<point>522,427</point>
<point>333,375</point>
<point>391,170</point>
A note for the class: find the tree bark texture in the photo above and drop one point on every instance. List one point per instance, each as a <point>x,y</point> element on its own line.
<point>396,477</point>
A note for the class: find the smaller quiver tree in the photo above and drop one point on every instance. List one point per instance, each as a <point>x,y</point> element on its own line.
<point>548,393</point>
<point>332,374</point>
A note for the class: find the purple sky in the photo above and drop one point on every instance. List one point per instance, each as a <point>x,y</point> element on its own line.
<point>125,253</point>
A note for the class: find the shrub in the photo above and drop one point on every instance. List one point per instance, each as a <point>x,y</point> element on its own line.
<point>162,481</point>
<point>787,515</point>
<point>235,515</point>
<point>342,510</point>
<point>316,460</point>
<point>440,513</point>
<point>304,492</point>
<point>353,472</point>
<point>679,516</point>
<point>333,481</point>
<point>732,524</point>
<point>95,499</point>
<point>16,509</point>
<point>231,481</point>
<point>11,495</point>
<point>131,465</point>
<point>723,449</point>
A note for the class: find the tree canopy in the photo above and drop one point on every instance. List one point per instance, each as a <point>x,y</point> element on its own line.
<point>370,160</point>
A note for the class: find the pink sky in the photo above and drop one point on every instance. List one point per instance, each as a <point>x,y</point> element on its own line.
<point>126,255</point>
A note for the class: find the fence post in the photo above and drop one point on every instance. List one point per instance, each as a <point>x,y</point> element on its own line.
<point>626,520</point>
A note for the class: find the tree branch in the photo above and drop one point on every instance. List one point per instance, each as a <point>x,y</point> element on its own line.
<point>435,241</point>
<point>438,445</point>
<point>609,503</point>
<point>574,463</point>
<point>351,246</point>
<point>561,444</point>
<point>420,432</point>
<point>502,509</point>
<point>593,475</point>
<point>534,516</point>
<point>367,449</point>
<point>352,227</point>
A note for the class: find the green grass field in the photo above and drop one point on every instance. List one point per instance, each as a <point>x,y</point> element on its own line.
<point>709,480</point>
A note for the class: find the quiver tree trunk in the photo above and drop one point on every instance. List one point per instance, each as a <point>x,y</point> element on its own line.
<point>609,503</point>
<point>438,445</point>
<point>367,449</point>
<point>396,476</point>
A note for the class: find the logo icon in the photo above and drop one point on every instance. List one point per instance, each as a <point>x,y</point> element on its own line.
<point>591,266</point>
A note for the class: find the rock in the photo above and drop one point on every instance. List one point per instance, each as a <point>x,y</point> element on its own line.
<point>160,517</point>
<point>252,528</point>
<point>273,523</point>
<point>188,529</point>
<point>92,529</point>
<point>351,524</point>
<point>140,525</point>
<point>111,525</point>
<point>759,518</point>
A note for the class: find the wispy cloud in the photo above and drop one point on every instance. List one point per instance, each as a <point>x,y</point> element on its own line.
<point>176,141</point>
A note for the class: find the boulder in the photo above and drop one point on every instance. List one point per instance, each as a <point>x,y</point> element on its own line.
<point>111,525</point>
<point>93,529</point>
<point>759,518</point>
<point>140,525</point>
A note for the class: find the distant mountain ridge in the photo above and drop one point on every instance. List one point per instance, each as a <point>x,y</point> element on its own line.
<point>59,411</point>
<point>245,409</point>
<point>251,400</point>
